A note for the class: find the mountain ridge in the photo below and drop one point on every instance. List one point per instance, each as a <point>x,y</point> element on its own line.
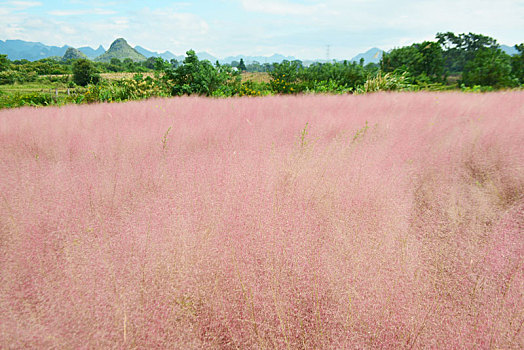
<point>121,50</point>
<point>29,50</point>
<point>32,51</point>
<point>167,55</point>
<point>373,55</point>
<point>92,53</point>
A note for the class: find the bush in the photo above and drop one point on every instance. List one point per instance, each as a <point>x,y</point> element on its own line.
<point>7,77</point>
<point>31,99</point>
<point>334,77</point>
<point>328,86</point>
<point>139,88</point>
<point>253,88</point>
<point>199,77</point>
<point>17,76</point>
<point>284,77</point>
<point>84,73</point>
<point>387,82</point>
<point>99,93</point>
<point>475,88</point>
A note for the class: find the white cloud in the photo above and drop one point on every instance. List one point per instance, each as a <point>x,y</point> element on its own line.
<point>163,29</point>
<point>69,30</point>
<point>293,27</point>
<point>22,5</point>
<point>65,13</point>
<point>281,8</point>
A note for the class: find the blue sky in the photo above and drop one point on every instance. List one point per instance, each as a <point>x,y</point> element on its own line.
<point>301,28</point>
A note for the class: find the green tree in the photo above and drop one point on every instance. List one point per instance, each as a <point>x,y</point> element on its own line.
<point>42,68</point>
<point>84,73</point>
<point>157,64</point>
<point>400,59</point>
<point>4,63</point>
<point>432,62</point>
<point>174,63</point>
<point>284,77</point>
<point>517,63</point>
<point>150,62</point>
<point>130,65</point>
<point>115,61</point>
<point>489,67</point>
<point>161,64</point>
<point>336,74</point>
<point>241,65</point>
<point>423,61</point>
<point>255,67</point>
<point>458,50</point>
<point>286,71</point>
<point>199,77</point>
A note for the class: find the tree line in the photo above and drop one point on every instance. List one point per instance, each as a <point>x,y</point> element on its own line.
<point>469,59</point>
<point>471,62</point>
<point>21,71</point>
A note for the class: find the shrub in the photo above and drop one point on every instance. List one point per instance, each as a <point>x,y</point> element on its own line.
<point>334,77</point>
<point>252,88</point>
<point>328,86</point>
<point>199,77</point>
<point>14,76</point>
<point>387,82</point>
<point>84,73</point>
<point>7,77</point>
<point>139,88</point>
<point>27,99</point>
<point>284,77</point>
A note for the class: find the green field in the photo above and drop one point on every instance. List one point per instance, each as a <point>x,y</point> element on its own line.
<point>35,94</point>
<point>35,87</point>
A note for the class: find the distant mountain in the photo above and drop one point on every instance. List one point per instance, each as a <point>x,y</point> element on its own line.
<point>73,54</point>
<point>31,51</point>
<point>167,55</point>
<point>275,58</point>
<point>120,49</point>
<point>206,56</point>
<point>373,55</point>
<point>91,53</point>
<point>510,50</point>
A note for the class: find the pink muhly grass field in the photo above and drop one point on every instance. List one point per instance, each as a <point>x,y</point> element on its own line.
<point>376,221</point>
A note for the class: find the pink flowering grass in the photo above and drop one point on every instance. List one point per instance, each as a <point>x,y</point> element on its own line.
<point>337,222</point>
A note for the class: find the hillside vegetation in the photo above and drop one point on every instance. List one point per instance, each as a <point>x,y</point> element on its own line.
<point>73,54</point>
<point>121,50</point>
<point>285,222</point>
